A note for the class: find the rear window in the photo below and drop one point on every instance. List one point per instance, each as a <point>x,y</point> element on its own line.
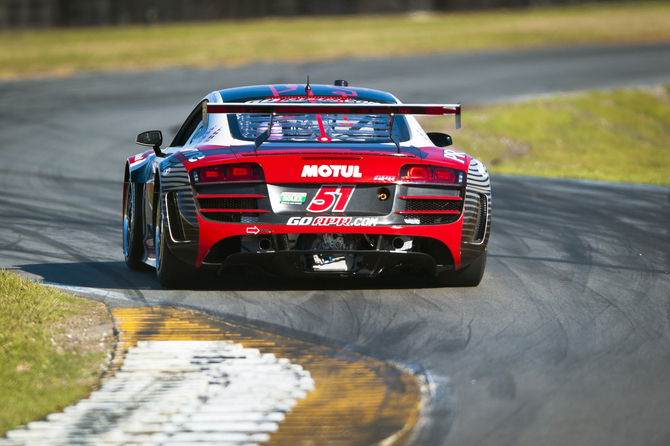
<point>318,128</point>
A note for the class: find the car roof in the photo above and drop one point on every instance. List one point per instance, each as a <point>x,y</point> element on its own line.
<point>295,90</point>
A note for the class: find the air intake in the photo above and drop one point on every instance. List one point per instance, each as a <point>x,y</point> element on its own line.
<point>481,216</point>
<point>174,220</point>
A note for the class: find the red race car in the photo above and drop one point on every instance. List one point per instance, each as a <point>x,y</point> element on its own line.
<point>307,180</point>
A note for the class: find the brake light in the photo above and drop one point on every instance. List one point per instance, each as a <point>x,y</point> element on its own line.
<point>212,174</point>
<point>432,174</point>
<point>446,175</point>
<point>228,172</point>
<point>239,171</point>
<point>418,173</point>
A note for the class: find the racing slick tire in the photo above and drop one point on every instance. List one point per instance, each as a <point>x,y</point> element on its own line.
<point>133,230</point>
<point>471,275</point>
<point>170,271</point>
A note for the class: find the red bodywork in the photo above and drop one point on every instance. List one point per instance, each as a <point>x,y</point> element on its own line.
<point>286,168</point>
<point>332,181</point>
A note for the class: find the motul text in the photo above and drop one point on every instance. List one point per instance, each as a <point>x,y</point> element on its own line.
<point>327,171</point>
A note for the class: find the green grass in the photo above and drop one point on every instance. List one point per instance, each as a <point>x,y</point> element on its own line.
<point>621,135</point>
<point>65,51</point>
<point>36,377</point>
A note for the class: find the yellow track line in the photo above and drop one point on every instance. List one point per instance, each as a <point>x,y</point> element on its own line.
<point>357,400</point>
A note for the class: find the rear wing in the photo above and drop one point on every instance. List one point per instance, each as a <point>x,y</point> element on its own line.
<point>275,108</point>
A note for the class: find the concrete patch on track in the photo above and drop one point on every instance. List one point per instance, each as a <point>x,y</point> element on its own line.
<point>87,292</point>
<point>187,378</point>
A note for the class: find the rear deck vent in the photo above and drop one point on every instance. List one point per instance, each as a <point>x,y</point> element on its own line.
<point>230,209</point>
<point>431,211</point>
<point>433,205</point>
<point>228,203</point>
<point>231,217</point>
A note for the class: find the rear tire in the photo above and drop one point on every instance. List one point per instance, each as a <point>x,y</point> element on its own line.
<point>133,230</point>
<point>469,276</point>
<point>170,271</point>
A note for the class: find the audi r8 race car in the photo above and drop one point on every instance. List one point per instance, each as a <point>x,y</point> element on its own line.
<point>307,180</point>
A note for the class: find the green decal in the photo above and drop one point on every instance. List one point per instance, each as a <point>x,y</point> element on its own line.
<point>292,197</point>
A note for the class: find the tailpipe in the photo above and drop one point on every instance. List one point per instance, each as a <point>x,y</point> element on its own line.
<point>265,244</point>
<point>398,243</point>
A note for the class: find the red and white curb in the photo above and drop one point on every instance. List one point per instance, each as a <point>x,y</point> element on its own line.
<point>179,393</point>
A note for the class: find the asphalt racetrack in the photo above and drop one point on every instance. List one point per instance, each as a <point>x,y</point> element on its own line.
<point>565,342</point>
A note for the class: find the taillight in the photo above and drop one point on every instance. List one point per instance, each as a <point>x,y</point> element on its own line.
<point>446,175</point>
<point>431,174</point>
<point>227,173</point>
<point>234,171</point>
<point>210,174</point>
<point>418,173</point>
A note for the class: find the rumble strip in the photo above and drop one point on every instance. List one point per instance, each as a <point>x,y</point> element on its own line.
<point>183,378</point>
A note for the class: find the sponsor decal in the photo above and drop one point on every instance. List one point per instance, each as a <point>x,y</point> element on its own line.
<point>193,155</point>
<point>384,178</point>
<point>292,197</point>
<point>454,155</point>
<point>137,159</point>
<point>330,170</point>
<point>332,221</point>
<point>331,197</point>
<point>211,134</point>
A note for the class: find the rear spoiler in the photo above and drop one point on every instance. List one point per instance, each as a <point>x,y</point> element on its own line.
<point>274,108</point>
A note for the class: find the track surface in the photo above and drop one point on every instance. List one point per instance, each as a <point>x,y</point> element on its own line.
<point>567,339</point>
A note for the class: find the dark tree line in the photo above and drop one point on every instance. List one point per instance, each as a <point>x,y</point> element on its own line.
<point>67,13</point>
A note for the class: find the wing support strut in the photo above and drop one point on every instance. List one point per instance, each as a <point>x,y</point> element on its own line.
<point>265,135</point>
<point>394,138</point>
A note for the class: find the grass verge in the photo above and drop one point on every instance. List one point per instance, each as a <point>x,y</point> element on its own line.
<point>52,349</point>
<point>619,135</point>
<point>65,51</point>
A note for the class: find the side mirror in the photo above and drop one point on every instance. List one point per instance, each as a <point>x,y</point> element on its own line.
<point>440,139</point>
<point>153,139</point>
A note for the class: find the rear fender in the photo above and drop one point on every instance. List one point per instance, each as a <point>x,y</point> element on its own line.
<point>140,170</point>
<point>140,167</point>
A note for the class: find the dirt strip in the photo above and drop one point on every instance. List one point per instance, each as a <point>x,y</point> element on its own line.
<point>357,400</point>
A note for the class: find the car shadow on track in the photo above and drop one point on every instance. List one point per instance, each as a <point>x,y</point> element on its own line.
<point>116,276</point>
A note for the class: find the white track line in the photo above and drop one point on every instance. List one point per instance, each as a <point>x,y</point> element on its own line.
<point>96,291</point>
<point>179,393</point>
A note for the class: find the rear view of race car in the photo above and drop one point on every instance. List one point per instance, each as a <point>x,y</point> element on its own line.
<point>307,180</point>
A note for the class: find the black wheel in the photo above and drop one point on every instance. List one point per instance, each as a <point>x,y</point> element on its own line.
<point>133,230</point>
<point>170,271</point>
<point>471,275</point>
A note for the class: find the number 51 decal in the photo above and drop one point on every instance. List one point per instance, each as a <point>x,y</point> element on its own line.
<point>335,197</point>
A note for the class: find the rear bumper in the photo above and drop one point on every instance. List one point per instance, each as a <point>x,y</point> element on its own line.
<point>212,232</point>
<point>364,263</point>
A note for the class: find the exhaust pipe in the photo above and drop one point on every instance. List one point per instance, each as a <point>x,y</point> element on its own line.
<point>398,243</point>
<point>265,244</point>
